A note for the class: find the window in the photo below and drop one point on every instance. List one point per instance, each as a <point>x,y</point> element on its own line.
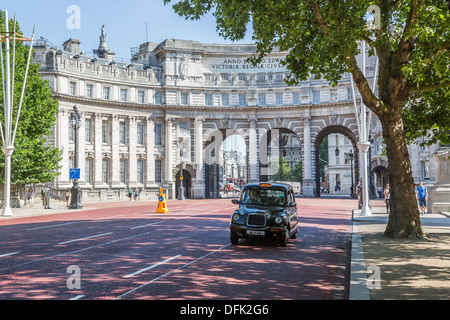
<point>158,98</point>
<point>296,97</point>
<point>279,98</point>
<point>208,99</point>
<point>158,134</point>
<point>88,170</point>
<point>140,171</point>
<point>183,126</point>
<point>87,126</point>
<point>106,93</point>
<point>316,95</point>
<point>71,133</point>
<point>72,88</point>
<point>105,131</point>
<point>158,173</point>
<point>225,100</point>
<point>89,90</point>
<point>225,77</point>
<point>123,95</point>
<point>333,94</point>
<point>123,170</point>
<point>261,77</point>
<point>184,99</point>
<point>242,77</point>
<point>141,96</point>
<point>140,133</point>
<point>349,94</point>
<point>242,100</point>
<point>105,171</point>
<point>122,132</point>
<point>262,99</point>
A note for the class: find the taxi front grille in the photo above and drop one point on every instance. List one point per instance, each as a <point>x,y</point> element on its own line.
<point>256,220</point>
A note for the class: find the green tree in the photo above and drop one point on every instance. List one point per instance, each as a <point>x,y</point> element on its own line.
<point>33,160</point>
<point>323,36</point>
<point>284,172</point>
<point>297,173</point>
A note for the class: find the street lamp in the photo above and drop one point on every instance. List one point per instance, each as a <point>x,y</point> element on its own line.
<point>352,192</point>
<point>181,188</point>
<point>75,123</point>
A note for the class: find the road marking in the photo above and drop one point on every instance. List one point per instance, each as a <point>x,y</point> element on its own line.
<point>151,267</point>
<point>77,297</point>
<point>51,226</point>
<point>95,236</point>
<point>146,225</point>
<point>121,215</point>
<point>170,272</point>
<point>8,254</point>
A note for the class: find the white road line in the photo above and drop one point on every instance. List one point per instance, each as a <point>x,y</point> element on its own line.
<point>170,272</point>
<point>95,236</point>
<point>146,225</point>
<point>77,297</point>
<point>151,267</point>
<point>8,254</point>
<point>104,218</point>
<point>51,226</point>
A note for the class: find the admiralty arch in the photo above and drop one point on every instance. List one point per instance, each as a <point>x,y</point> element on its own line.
<point>174,104</point>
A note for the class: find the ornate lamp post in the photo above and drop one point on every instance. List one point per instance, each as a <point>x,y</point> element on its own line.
<point>181,187</point>
<point>352,193</point>
<point>75,123</point>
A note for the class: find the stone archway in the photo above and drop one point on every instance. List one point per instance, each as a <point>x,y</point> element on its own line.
<point>320,136</point>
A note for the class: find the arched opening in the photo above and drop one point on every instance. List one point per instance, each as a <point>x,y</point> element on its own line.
<point>381,179</point>
<point>225,164</point>
<point>187,185</point>
<point>343,159</point>
<point>281,157</point>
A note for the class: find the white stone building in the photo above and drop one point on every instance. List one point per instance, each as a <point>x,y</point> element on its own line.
<point>175,103</point>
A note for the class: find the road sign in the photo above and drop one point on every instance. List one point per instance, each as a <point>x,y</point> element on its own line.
<point>74,173</point>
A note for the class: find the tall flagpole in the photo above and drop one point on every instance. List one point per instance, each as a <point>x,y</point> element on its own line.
<point>7,83</point>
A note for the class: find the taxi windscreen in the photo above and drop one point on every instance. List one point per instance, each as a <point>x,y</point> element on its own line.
<point>264,196</point>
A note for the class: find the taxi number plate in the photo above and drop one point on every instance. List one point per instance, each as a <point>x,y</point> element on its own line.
<point>255,233</point>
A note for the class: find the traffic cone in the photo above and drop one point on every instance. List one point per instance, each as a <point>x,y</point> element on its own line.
<point>162,205</point>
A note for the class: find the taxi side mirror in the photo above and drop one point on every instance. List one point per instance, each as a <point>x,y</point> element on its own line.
<point>235,201</point>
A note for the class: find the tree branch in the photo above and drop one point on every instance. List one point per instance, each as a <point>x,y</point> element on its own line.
<point>424,88</point>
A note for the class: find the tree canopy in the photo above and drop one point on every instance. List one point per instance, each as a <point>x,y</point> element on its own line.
<point>33,160</point>
<point>322,37</point>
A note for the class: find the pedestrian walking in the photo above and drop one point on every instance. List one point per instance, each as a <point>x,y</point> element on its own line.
<point>136,193</point>
<point>67,196</point>
<point>46,190</point>
<point>358,194</point>
<point>387,197</point>
<point>30,197</point>
<point>380,191</point>
<point>422,197</point>
<point>130,193</point>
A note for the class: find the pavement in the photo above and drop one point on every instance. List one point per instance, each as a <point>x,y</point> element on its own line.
<point>381,268</point>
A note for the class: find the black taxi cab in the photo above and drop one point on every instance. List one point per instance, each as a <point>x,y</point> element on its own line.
<point>266,210</point>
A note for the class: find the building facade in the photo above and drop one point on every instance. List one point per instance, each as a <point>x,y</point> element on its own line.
<point>174,105</point>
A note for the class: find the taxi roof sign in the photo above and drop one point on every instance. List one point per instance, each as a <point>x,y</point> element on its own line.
<point>265,185</point>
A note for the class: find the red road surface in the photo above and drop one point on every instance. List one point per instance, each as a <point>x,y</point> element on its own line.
<point>127,251</point>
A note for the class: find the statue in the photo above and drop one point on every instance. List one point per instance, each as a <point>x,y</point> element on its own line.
<point>103,35</point>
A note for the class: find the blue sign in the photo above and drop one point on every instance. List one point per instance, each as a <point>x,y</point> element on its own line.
<point>74,173</point>
<point>161,199</point>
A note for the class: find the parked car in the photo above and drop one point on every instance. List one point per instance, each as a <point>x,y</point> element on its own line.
<point>266,210</point>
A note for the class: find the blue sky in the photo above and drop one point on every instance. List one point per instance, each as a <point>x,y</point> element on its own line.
<point>125,23</point>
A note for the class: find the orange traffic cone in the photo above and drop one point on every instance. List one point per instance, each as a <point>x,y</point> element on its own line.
<point>162,205</point>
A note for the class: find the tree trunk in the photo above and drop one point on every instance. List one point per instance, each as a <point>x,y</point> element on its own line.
<point>404,217</point>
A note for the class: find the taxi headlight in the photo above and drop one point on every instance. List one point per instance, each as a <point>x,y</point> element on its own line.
<point>278,220</point>
<point>236,216</point>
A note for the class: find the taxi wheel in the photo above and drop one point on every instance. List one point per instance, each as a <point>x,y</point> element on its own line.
<point>284,238</point>
<point>234,239</point>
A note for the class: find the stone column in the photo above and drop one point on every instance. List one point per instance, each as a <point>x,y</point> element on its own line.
<point>132,159</point>
<point>308,181</point>
<point>199,184</point>
<point>98,150</point>
<point>115,157</point>
<point>252,154</point>
<point>439,194</point>
<point>150,143</point>
<point>168,160</point>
